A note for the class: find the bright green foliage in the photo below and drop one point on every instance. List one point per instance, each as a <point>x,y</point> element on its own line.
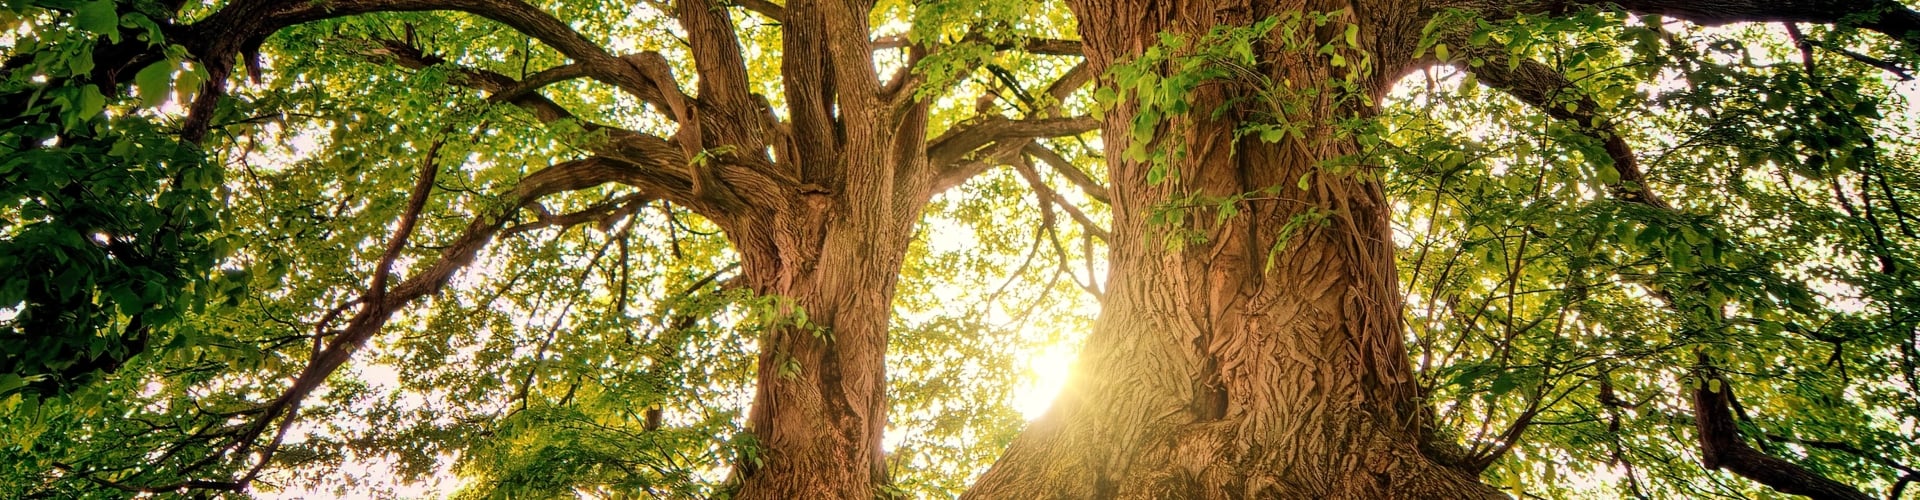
<point>1162,81</point>
<point>613,357</point>
<point>107,223</point>
<point>1537,294</point>
<point>164,291</point>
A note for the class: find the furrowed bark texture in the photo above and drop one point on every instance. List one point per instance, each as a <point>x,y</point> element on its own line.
<point>1219,369</point>
<point>833,248</point>
<point>820,407</point>
<point>819,201</point>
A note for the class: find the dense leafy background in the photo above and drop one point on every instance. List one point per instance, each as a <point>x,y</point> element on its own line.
<point>164,291</point>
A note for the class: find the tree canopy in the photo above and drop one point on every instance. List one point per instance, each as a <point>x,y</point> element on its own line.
<point>568,248</point>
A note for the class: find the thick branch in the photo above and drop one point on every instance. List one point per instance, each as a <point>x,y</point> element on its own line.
<point>809,82</point>
<point>954,145</point>
<point>765,8</point>
<point>716,54</point>
<point>241,26</point>
<point>1885,16</point>
<point>1094,189</point>
<point>657,157</point>
<point>730,113</point>
<point>1551,92</point>
<point>1042,46</point>
<point>1721,446</point>
<point>962,166</point>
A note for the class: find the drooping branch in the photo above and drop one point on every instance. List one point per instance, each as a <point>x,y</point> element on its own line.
<point>1886,16</point>
<point>239,28</point>
<point>1722,447</point>
<point>1549,91</point>
<point>666,162</point>
<point>1050,198</point>
<point>378,304</point>
<point>1543,88</point>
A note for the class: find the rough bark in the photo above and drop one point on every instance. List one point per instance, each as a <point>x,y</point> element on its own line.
<point>1214,374</point>
<point>820,409</point>
<point>820,206</point>
<point>1216,370</point>
<point>1228,369</point>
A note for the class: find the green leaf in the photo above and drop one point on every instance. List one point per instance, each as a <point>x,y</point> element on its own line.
<point>190,80</point>
<point>153,83</point>
<point>1504,383</point>
<point>91,101</point>
<point>97,16</point>
<point>9,382</point>
<point>1608,174</point>
<point>81,62</point>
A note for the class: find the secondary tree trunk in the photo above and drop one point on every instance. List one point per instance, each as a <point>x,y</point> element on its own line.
<point>829,249</point>
<point>1227,368</point>
<point>820,405</point>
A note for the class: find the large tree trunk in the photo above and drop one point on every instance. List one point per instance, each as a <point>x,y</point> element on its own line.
<point>830,253</point>
<point>1227,368</point>
<point>820,406</point>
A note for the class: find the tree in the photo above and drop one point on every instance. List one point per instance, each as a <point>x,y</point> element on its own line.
<point>817,196</point>
<point>1267,358</point>
<point>1251,340</point>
